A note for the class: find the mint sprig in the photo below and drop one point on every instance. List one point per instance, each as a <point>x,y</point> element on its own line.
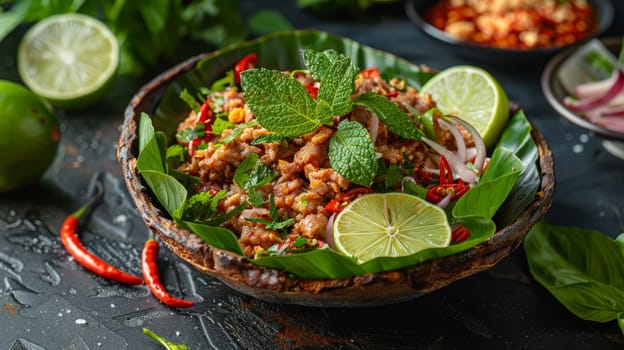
<point>283,106</point>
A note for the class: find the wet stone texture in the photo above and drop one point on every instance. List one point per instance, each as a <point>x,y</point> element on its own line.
<point>47,301</point>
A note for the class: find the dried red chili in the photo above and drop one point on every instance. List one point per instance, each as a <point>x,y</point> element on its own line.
<point>206,116</point>
<point>370,72</point>
<point>88,260</point>
<point>312,91</point>
<point>149,265</point>
<point>247,62</point>
<point>336,205</point>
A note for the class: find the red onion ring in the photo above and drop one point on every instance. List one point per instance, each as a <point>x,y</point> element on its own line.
<point>329,232</point>
<point>594,88</point>
<point>478,141</point>
<point>459,138</point>
<point>459,168</point>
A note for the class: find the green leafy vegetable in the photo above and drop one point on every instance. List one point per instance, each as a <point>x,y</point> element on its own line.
<point>583,269</point>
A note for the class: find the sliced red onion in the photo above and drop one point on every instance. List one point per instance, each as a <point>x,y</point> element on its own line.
<point>459,168</point>
<point>481,150</point>
<point>459,138</point>
<point>594,88</point>
<point>586,104</point>
<point>329,232</point>
<point>613,112</point>
<point>445,201</point>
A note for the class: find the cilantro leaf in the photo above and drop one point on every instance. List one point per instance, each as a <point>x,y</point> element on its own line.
<point>252,174</point>
<point>281,104</point>
<point>390,114</point>
<point>351,153</point>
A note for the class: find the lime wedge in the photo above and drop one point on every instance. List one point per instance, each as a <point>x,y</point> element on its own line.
<point>68,59</point>
<point>390,225</point>
<point>474,95</point>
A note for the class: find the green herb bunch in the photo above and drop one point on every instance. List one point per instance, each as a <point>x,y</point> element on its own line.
<point>283,106</point>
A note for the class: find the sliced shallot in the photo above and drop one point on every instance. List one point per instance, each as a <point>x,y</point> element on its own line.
<point>481,149</point>
<point>459,168</point>
<point>586,104</point>
<point>459,138</point>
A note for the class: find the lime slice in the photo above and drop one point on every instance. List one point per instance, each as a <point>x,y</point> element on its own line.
<point>474,95</point>
<point>390,225</point>
<point>68,59</point>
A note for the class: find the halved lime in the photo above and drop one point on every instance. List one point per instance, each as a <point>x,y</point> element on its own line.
<point>390,225</point>
<point>472,94</point>
<point>68,59</point>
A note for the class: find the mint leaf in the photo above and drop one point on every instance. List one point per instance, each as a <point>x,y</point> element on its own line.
<point>281,104</point>
<point>336,74</point>
<point>337,85</point>
<point>390,114</point>
<point>319,62</point>
<point>351,153</point>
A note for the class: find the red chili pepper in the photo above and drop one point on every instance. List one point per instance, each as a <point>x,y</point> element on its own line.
<point>69,238</point>
<point>149,257</point>
<point>247,62</point>
<point>446,173</point>
<point>460,234</point>
<point>436,193</point>
<point>336,205</point>
<point>312,91</point>
<point>370,72</point>
<point>206,116</point>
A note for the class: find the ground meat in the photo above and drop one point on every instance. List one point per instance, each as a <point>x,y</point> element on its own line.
<point>304,182</point>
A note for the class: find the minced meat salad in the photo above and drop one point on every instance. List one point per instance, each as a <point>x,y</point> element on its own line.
<point>278,191</point>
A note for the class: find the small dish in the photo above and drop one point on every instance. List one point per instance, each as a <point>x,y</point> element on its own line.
<point>555,92</point>
<point>161,99</point>
<point>415,11</point>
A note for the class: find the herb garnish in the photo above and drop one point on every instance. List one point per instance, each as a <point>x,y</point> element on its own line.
<point>283,106</point>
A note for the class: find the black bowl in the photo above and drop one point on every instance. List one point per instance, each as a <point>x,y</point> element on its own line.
<point>415,11</point>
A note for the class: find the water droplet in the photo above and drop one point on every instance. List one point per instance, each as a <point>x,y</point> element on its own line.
<point>80,321</point>
<point>177,333</point>
<point>578,148</point>
<point>112,306</point>
<point>584,138</point>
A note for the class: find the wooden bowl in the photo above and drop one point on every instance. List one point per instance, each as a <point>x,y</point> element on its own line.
<point>160,99</point>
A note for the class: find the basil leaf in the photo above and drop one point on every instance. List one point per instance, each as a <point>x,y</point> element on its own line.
<point>517,138</point>
<point>154,154</point>
<point>170,193</point>
<point>496,183</point>
<point>390,114</point>
<point>216,236</point>
<point>351,153</point>
<point>146,130</point>
<point>281,104</point>
<point>583,269</point>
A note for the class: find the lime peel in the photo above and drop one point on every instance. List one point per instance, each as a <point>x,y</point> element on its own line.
<point>474,95</point>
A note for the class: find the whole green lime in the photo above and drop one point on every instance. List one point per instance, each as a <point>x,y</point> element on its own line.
<point>29,136</point>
